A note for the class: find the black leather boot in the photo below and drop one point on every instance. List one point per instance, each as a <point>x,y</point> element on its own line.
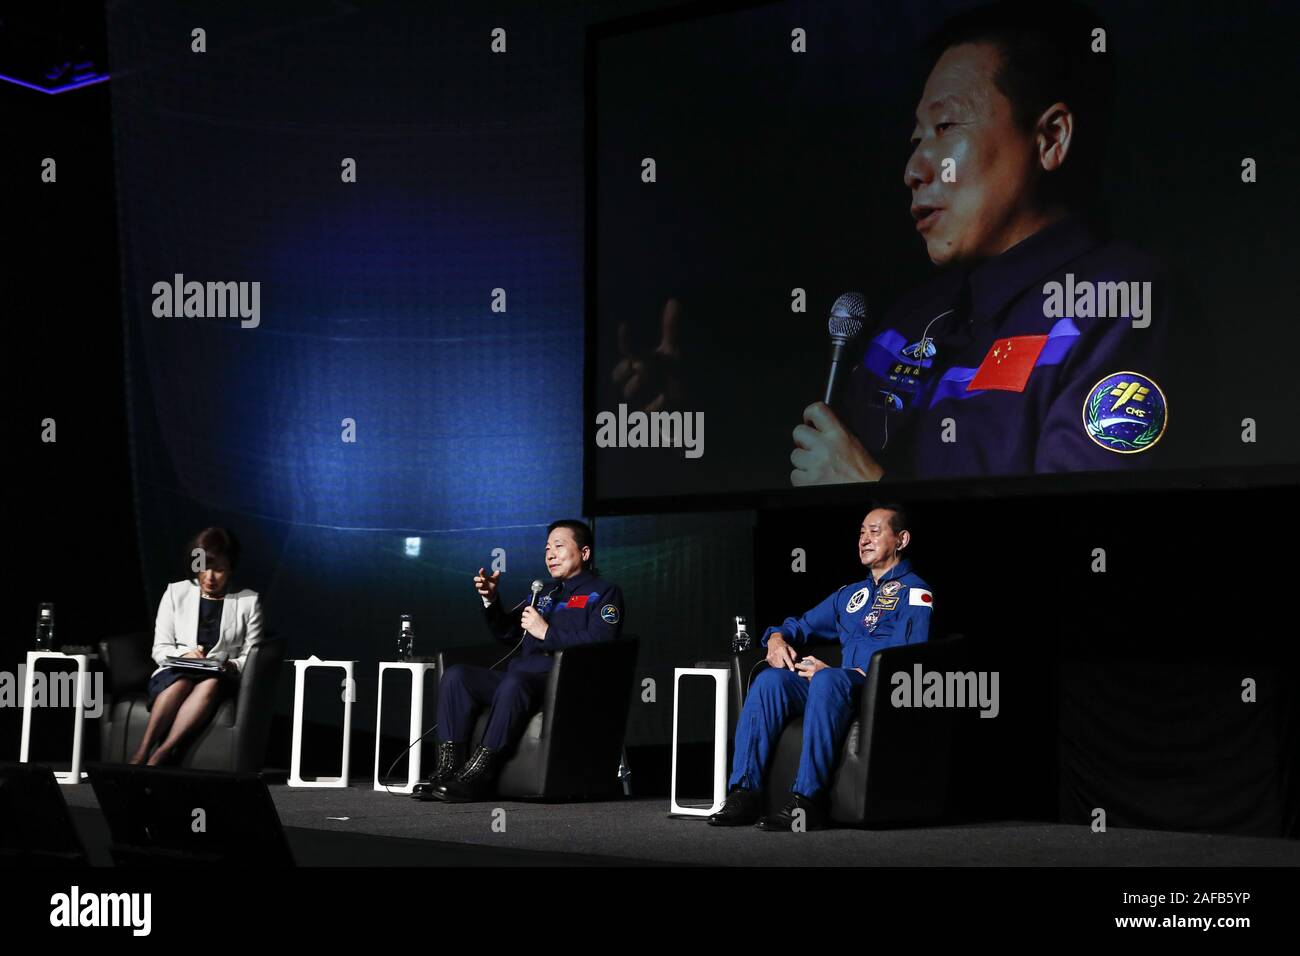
<point>450,756</point>
<point>472,782</point>
<point>742,808</point>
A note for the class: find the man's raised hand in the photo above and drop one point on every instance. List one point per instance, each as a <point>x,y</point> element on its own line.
<point>486,585</point>
<point>653,381</point>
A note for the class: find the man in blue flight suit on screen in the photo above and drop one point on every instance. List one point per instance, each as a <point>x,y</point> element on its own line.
<point>891,606</point>
<point>579,608</point>
<point>1041,345</point>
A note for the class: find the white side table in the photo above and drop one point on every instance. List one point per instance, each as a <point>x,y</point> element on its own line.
<point>721,679</point>
<point>418,670</point>
<point>73,775</point>
<point>349,686</point>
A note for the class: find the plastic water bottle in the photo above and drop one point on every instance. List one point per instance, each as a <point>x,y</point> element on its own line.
<point>45,627</point>
<point>741,640</point>
<point>405,639</point>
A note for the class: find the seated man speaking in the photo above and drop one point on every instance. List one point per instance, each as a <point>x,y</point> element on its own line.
<point>1042,344</point>
<point>580,608</point>
<point>892,606</point>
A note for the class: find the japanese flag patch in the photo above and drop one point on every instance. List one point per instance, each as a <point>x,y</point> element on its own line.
<point>920,597</point>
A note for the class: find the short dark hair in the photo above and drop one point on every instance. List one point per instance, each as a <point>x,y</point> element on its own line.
<point>216,543</point>
<point>898,520</point>
<point>582,536</point>
<point>1045,47</point>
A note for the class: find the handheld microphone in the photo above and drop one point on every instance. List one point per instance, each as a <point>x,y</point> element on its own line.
<point>848,316</point>
<point>536,589</point>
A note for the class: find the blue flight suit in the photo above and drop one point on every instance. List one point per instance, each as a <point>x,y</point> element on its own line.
<point>970,377</point>
<point>583,609</point>
<point>865,617</point>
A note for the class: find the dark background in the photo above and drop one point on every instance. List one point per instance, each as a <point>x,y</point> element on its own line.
<point>779,170</point>
<point>374,302</point>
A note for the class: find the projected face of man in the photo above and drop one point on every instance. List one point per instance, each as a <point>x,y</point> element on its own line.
<point>563,556</point>
<point>997,165</point>
<point>878,545</point>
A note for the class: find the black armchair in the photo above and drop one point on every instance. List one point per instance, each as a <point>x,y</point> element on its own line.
<point>571,747</point>
<point>236,736</point>
<point>894,763</point>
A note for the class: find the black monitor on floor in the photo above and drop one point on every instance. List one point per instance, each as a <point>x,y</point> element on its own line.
<point>189,816</point>
<point>36,827</point>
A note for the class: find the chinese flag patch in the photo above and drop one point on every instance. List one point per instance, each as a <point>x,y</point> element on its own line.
<point>1008,364</point>
<point>578,601</point>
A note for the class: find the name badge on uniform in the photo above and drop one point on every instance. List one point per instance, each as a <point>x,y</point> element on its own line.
<point>885,603</point>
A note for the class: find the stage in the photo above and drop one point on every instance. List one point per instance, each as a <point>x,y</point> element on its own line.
<point>359,826</point>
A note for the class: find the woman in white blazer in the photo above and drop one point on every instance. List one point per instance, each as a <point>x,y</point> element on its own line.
<point>198,618</point>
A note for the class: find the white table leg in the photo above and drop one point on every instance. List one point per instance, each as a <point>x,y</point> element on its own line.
<point>416,731</point>
<point>29,688</point>
<point>720,740</point>
<point>379,715</point>
<point>295,760</point>
<point>74,774</point>
<point>349,695</point>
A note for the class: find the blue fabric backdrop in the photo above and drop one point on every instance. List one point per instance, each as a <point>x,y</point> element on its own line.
<point>375,306</point>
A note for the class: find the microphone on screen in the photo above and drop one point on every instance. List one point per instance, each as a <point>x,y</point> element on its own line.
<point>848,316</point>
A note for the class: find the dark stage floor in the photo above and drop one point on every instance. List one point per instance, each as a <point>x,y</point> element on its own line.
<point>360,826</point>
